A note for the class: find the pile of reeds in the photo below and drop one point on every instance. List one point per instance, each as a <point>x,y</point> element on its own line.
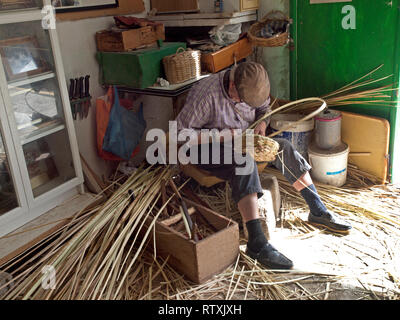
<point>360,200</point>
<point>95,255</point>
<point>98,255</point>
<point>368,257</point>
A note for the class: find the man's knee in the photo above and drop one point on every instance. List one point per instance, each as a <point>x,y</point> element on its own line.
<point>285,145</point>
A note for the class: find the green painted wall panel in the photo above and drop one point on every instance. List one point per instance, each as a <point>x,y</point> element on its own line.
<point>327,57</point>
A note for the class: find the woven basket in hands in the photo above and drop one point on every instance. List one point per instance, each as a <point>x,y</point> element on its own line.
<point>275,41</point>
<point>182,66</point>
<point>264,149</point>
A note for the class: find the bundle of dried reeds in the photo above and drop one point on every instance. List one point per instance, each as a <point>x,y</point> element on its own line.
<point>93,256</point>
<point>350,94</point>
<point>98,255</point>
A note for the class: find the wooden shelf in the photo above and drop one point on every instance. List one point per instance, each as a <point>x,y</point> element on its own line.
<point>204,19</point>
<point>173,87</point>
<point>41,133</point>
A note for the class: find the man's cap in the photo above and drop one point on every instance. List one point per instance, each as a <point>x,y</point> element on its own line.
<point>252,83</point>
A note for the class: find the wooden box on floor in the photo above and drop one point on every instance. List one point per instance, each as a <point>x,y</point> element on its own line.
<point>126,40</point>
<point>201,260</point>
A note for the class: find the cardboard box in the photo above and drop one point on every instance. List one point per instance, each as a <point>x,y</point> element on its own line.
<point>214,62</point>
<point>171,6</point>
<point>125,40</point>
<point>201,260</point>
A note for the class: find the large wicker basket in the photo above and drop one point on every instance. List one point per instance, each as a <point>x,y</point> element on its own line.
<point>182,66</point>
<point>278,40</point>
<point>264,149</point>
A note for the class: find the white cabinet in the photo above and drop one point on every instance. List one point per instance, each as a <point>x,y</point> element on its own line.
<point>39,157</point>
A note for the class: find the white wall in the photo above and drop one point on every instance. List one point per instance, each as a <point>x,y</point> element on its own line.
<point>78,49</point>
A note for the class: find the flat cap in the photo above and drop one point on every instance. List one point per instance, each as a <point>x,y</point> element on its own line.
<point>252,83</point>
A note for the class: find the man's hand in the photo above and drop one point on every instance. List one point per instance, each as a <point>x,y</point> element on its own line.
<point>261,128</point>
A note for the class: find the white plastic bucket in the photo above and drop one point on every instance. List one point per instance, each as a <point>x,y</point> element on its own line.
<point>299,135</point>
<point>329,166</point>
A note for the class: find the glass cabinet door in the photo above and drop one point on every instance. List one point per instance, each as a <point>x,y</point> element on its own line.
<point>35,103</point>
<point>8,197</point>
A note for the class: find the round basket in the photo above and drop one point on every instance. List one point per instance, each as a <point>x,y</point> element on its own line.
<point>264,149</point>
<point>182,66</point>
<point>275,19</point>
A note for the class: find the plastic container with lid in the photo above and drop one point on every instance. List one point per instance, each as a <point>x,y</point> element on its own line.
<point>328,125</point>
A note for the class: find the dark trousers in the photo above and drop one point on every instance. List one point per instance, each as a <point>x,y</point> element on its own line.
<point>288,161</point>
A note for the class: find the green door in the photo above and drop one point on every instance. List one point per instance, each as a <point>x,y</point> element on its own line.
<point>336,43</point>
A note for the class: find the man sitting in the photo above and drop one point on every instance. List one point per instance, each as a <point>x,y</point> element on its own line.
<point>234,99</point>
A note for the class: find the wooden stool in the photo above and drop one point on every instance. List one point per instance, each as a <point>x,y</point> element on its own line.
<point>205,178</point>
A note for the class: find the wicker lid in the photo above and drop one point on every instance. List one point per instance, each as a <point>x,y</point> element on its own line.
<point>329,115</point>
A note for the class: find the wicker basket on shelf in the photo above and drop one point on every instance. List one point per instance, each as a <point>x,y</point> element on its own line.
<point>264,149</point>
<point>182,66</point>
<point>272,19</point>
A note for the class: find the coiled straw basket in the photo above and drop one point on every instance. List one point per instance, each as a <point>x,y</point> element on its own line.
<point>275,41</point>
<point>264,149</point>
<point>182,66</point>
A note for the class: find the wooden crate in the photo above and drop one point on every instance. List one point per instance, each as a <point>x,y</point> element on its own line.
<point>246,5</point>
<point>125,40</point>
<point>201,260</point>
<point>214,62</point>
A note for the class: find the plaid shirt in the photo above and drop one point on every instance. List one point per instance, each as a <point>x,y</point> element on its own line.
<point>208,106</point>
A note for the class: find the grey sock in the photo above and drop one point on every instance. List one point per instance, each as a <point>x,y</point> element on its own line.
<point>313,200</point>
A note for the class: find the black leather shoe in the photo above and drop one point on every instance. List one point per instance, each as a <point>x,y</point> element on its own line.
<point>271,258</point>
<point>330,221</point>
